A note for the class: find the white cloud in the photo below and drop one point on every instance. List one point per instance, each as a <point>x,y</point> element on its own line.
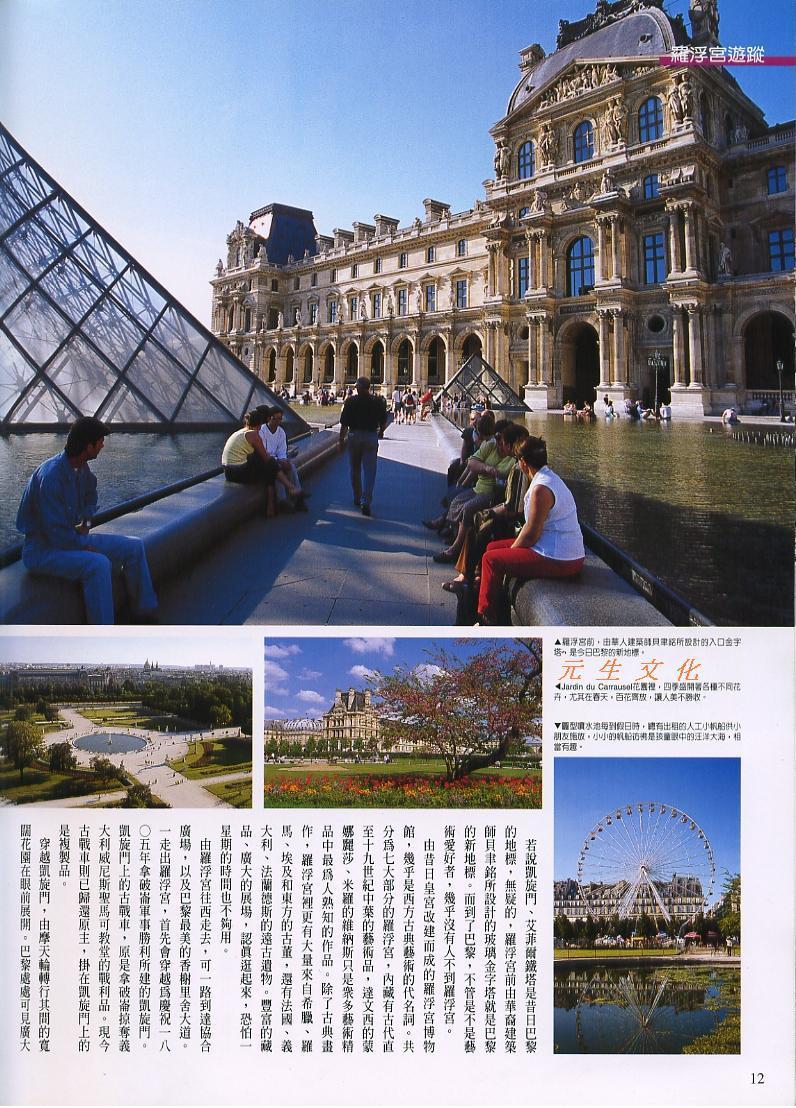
<point>309,674</point>
<point>274,650</point>
<point>371,646</point>
<point>275,677</point>
<point>427,671</point>
<point>364,673</point>
<point>309,696</point>
<point>273,713</point>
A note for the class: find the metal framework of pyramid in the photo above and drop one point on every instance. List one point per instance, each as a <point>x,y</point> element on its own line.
<point>85,330</point>
<point>477,381</point>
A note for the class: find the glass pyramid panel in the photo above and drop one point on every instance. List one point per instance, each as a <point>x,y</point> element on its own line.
<point>81,374</point>
<point>43,405</point>
<point>477,381</point>
<point>10,210</point>
<point>71,288</point>
<point>126,406</point>
<point>158,377</point>
<point>37,326</point>
<point>227,380</point>
<point>85,330</point>
<point>13,282</point>
<point>198,407</point>
<point>16,373</point>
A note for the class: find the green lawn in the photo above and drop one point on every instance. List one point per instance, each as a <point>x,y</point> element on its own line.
<point>407,767</point>
<point>238,794</point>
<point>315,413</point>
<point>207,758</point>
<point>40,784</point>
<point>133,715</point>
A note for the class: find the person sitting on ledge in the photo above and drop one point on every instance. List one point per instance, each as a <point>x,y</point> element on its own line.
<point>570,409</point>
<point>247,462</point>
<point>550,543</point>
<point>729,415</point>
<point>274,440</point>
<point>55,515</point>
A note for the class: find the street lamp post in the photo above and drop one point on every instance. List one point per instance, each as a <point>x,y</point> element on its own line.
<point>780,367</point>
<point>656,363</point>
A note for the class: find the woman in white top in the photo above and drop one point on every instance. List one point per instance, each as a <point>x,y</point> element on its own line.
<point>550,543</point>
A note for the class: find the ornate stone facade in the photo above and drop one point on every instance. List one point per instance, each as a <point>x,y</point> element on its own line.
<point>641,216</point>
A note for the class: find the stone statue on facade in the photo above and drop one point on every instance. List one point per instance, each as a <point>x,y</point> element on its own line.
<point>219,268</point>
<point>390,305</point>
<point>363,313</point>
<point>679,100</point>
<point>607,182</point>
<point>280,321</point>
<point>297,317</point>
<point>418,300</point>
<point>725,260</point>
<point>614,122</point>
<point>548,145</point>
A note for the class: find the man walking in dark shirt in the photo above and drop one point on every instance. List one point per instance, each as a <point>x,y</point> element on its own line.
<point>362,421</point>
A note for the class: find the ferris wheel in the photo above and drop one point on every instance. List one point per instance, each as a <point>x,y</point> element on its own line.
<point>646,858</point>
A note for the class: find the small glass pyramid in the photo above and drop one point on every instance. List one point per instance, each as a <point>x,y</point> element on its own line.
<point>477,381</point>
<point>85,330</point>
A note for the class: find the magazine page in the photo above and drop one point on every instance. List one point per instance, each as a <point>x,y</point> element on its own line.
<point>397,663</point>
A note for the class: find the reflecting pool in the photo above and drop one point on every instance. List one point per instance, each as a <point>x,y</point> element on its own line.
<point>110,742</point>
<point>664,1009</point>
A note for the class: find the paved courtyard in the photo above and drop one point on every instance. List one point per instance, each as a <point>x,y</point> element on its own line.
<point>332,565</point>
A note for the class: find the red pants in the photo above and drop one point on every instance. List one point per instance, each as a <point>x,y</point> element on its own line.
<point>501,559</point>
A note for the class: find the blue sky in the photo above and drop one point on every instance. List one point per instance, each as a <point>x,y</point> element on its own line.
<point>170,121</point>
<point>168,649</point>
<point>301,675</point>
<point>587,789</point>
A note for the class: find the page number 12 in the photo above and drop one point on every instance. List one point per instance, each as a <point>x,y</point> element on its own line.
<point>758,1079</point>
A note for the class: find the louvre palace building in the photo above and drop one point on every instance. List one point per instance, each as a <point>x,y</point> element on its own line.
<point>636,239</point>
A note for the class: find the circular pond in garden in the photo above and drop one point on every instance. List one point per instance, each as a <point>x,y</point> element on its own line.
<point>110,742</point>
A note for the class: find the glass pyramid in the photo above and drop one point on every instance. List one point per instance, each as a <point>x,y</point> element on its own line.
<point>85,330</point>
<point>477,381</point>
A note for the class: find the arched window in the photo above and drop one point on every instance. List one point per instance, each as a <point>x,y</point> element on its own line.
<point>272,365</point>
<point>328,365</point>
<point>580,267</point>
<point>651,186</point>
<point>352,363</point>
<point>583,142</point>
<point>404,362</point>
<point>525,160</point>
<point>308,367</point>
<point>289,366</point>
<point>650,120</point>
<point>377,364</point>
<point>247,320</point>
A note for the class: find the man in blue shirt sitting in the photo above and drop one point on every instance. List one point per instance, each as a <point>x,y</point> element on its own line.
<point>55,515</point>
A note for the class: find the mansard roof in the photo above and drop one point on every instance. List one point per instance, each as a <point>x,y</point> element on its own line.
<point>628,31</point>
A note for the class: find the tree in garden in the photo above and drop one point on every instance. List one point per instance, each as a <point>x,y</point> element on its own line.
<point>24,713</point>
<point>220,716</point>
<point>139,796</point>
<point>51,713</point>
<point>62,757</point>
<point>23,743</point>
<point>729,914</point>
<point>104,768</point>
<point>472,712</point>
<point>563,929</point>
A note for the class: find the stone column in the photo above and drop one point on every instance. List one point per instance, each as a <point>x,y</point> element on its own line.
<point>601,247</point>
<point>605,363</point>
<point>674,243</point>
<point>530,242</point>
<point>545,352</point>
<point>616,260</point>
<point>690,240</point>
<point>695,344</point>
<point>678,348</point>
<point>547,277</point>
<point>620,368</point>
<point>389,370</point>
<point>532,363</point>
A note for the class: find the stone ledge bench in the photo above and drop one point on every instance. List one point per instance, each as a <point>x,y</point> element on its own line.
<point>176,531</point>
<point>597,597</point>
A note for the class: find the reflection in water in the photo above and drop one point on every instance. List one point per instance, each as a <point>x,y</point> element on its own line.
<point>645,1010</point>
